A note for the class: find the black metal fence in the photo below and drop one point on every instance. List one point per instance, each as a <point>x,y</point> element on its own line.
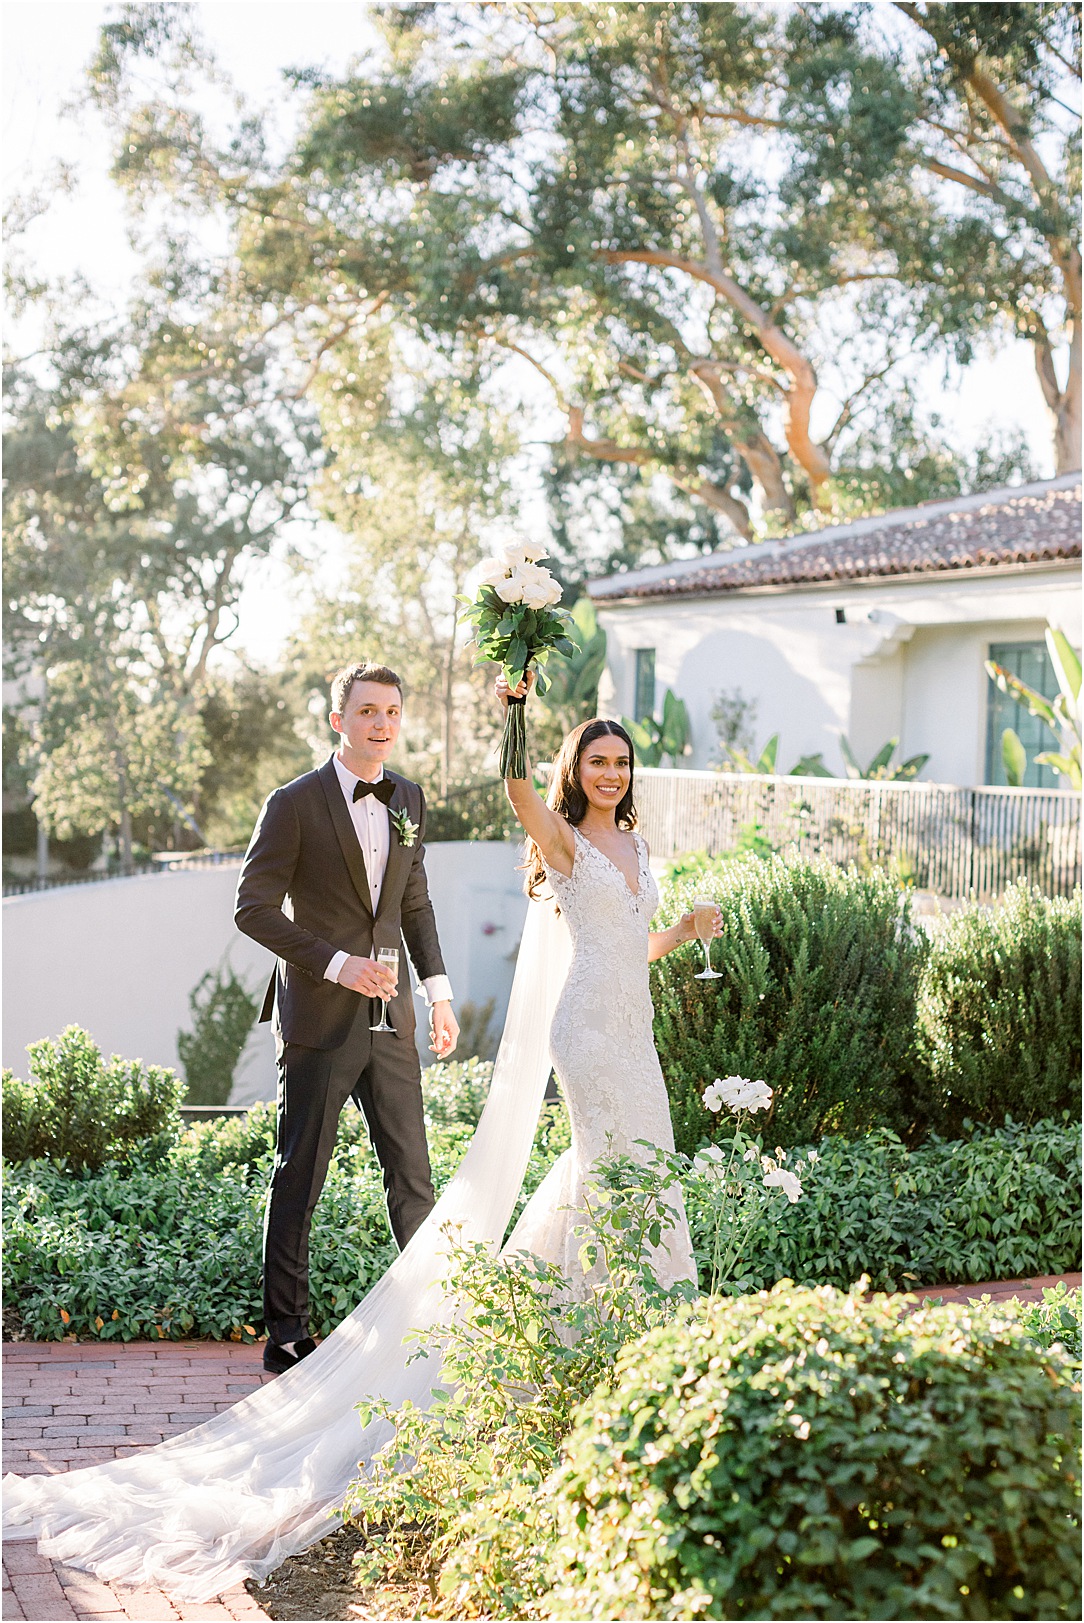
<point>163,864</point>
<point>955,842</point>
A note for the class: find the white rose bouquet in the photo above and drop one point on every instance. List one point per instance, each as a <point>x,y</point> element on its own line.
<point>518,625</point>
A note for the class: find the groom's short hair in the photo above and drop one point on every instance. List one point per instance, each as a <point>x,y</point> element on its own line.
<point>343,681</point>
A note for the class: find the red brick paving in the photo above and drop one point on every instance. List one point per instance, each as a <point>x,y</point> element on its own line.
<point>68,1404</point>
<point>1026,1290</point>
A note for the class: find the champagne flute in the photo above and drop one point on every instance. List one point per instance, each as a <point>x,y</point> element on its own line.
<point>704,911</point>
<point>389,957</point>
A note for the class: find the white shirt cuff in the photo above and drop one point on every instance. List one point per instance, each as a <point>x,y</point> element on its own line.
<point>436,989</point>
<point>331,973</point>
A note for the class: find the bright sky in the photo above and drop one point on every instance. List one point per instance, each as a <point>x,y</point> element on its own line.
<point>46,46</point>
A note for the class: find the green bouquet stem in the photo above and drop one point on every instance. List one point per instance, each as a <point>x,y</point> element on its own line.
<point>514,740</point>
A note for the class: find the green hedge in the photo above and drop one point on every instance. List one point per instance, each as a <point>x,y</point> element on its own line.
<point>820,969</point>
<point>171,1244</point>
<point>831,994</point>
<point>809,1455</point>
<point>78,1107</point>
<point>1000,1011</point>
<point>998,1205</point>
<point>168,1243</point>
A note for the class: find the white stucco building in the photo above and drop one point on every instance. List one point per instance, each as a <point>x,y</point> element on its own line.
<point>875,629</point>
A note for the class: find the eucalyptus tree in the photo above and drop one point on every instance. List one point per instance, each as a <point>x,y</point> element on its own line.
<point>994,142</point>
<point>682,218</point>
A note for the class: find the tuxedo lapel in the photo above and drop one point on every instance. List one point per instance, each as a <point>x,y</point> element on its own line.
<point>399,857</point>
<point>345,833</point>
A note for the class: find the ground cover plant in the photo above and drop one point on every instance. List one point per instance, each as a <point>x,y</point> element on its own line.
<point>808,1454</point>
<point>166,1243</point>
<point>1000,1204</point>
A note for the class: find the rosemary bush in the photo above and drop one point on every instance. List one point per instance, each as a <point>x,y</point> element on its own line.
<point>1000,1011</point>
<point>820,969</point>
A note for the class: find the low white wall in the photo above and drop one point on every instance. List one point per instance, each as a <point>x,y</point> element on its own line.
<point>120,957</point>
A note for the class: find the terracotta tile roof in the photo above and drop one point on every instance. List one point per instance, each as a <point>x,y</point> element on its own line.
<point>1037,523</point>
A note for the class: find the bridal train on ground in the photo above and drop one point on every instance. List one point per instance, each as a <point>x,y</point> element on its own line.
<point>234,1497</point>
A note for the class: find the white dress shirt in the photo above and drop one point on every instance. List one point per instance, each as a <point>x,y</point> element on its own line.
<point>372,826</point>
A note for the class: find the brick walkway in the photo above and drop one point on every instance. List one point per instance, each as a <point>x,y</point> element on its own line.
<point>70,1404</point>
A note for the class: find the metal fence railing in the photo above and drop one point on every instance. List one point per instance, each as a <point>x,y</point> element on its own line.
<point>955,842</point>
<point>167,863</point>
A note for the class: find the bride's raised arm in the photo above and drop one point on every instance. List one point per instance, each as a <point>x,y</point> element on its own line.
<point>549,831</point>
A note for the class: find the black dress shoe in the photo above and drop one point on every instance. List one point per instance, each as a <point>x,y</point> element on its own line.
<point>276,1360</point>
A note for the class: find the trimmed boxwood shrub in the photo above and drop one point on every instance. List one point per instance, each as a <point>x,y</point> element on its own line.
<point>1000,1204</point>
<point>820,970</point>
<point>804,1454</point>
<point>81,1109</point>
<point>1000,1011</point>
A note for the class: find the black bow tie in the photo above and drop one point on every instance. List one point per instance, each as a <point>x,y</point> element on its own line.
<point>383,789</point>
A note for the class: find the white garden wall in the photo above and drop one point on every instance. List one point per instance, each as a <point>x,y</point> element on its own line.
<point>121,956</point>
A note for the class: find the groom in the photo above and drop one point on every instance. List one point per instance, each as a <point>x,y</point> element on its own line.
<point>335,871</point>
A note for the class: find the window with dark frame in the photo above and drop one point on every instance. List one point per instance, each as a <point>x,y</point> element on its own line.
<point>1029,661</point>
<point>644,685</point>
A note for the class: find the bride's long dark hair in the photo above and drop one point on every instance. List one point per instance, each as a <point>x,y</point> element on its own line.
<point>566,794</point>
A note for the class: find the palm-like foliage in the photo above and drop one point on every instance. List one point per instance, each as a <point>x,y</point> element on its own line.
<point>1061,715</point>
<point>655,740</point>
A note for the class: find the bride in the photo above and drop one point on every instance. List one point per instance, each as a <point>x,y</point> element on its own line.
<point>234,1497</point>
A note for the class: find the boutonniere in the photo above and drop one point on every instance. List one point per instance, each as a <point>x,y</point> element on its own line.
<point>406,830</point>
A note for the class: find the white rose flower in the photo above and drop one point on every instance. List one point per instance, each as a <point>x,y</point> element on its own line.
<point>713,1096</point>
<point>813,1156</point>
<point>780,1178</point>
<point>737,1093</point>
<point>494,570</point>
<point>510,589</point>
<point>533,550</point>
<point>709,1162</point>
<point>539,586</point>
<point>727,1089</point>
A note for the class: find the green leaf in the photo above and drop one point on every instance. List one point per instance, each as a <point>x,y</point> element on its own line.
<point>850,760</point>
<point>1065,662</point>
<point>768,755</point>
<point>1013,757</point>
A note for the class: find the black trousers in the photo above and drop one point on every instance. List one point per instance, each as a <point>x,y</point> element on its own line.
<point>382,1073</point>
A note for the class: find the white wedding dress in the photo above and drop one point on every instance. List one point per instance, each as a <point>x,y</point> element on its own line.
<point>232,1498</point>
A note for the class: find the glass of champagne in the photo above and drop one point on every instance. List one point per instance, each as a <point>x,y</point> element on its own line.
<point>704,911</point>
<point>389,957</point>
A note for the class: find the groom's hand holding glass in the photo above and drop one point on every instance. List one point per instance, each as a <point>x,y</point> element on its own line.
<point>368,978</point>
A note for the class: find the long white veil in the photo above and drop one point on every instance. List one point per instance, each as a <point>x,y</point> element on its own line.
<point>232,1498</point>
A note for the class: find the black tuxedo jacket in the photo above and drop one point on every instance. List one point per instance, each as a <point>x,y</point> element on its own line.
<point>304,894</point>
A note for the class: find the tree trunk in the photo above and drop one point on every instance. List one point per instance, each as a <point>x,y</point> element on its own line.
<point>1064,405</point>
<point>753,446</point>
<point>448,718</point>
<point>125,838</point>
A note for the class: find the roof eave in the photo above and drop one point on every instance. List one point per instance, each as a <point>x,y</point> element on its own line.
<point>841,583</point>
